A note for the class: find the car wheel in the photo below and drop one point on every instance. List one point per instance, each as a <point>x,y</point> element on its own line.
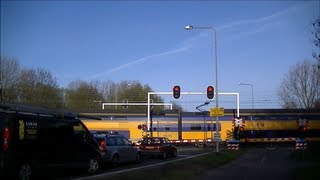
<point>138,158</point>
<point>175,153</point>
<point>25,171</point>
<point>93,165</point>
<point>164,155</point>
<point>115,161</point>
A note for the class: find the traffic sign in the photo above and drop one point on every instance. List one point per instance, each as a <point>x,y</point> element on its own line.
<point>218,111</point>
<point>217,137</point>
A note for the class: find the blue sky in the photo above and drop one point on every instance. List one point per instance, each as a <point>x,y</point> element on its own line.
<point>257,42</point>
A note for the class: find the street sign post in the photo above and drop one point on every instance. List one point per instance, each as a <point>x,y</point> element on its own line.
<point>217,137</point>
<point>217,111</point>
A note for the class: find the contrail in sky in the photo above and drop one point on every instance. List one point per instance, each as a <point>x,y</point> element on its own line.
<point>256,21</point>
<point>142,60</point>
<point>186,44</point>
<point>146,58</point>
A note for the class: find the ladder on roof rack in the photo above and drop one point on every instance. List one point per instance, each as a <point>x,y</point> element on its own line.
<point>21,108</point>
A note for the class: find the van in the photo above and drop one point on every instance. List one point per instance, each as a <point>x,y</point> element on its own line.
<point>32,138</point>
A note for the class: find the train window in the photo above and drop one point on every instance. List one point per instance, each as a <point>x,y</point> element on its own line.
<point>195,127</point>
<point>167,128</point>
<point>273,117</point>
<point>257,118</point>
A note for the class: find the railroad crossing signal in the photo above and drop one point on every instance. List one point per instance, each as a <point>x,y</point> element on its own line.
<point>210,92</point>
<point>237,122</point>
<point>302,127</point>
<point>142,127</point>
<point>302,122</point>
<point>176,92</point>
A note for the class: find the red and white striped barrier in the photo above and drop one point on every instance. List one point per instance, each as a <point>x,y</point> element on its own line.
<point>301,145</point>
<point>233,146</point>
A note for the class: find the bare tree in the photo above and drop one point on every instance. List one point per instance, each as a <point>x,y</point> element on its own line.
<point>316,40</point>
<point>300,86</point>
<point>316,53</point>
<point>83,96</point>
<point>9,75</point>
<point>38,87</point>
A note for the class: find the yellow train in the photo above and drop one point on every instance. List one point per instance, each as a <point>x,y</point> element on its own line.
<point>269,125</point>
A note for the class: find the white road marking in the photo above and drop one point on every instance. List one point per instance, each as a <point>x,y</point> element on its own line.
<point>141,167</point>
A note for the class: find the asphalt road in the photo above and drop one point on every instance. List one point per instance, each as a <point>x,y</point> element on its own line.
<point>257,164</point>
<point>67,174</point>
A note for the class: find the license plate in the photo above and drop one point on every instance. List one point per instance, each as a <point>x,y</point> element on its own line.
<point>149,147</point>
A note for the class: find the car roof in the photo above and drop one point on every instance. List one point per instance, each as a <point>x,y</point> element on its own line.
<point>156,138</point>
<point>106,135</point>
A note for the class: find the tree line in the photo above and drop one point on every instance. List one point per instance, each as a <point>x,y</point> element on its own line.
<point>39,87</point>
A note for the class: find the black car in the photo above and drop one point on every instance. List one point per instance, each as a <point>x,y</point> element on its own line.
<point>34,138</point>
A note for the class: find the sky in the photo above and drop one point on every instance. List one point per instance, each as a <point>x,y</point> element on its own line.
<point>145,41</point>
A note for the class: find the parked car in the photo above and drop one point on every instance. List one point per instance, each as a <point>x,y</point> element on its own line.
<point>158,146</point>
<point>117,149</point>
<point>34,138</point>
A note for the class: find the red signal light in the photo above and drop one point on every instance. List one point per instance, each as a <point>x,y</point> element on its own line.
<point>210,92</point>
<point>304,129</point>
<point>144,127</point>
<point>176,92</point>
<point>241,129</point>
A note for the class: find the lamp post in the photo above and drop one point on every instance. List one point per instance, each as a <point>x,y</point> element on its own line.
<point>190,27</point>
<point>252,97</point>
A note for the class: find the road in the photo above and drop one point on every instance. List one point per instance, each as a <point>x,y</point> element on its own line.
<point>257,163</point>
<point>67,174</point>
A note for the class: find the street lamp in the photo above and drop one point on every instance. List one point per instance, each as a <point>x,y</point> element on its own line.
<point>252,97</point>
<point>190,27</point>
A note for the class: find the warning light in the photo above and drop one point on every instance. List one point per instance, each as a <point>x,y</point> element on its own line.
<point>176,92</point>
<point>304,128</point>
<point>210,92</point>
<point>241,128</point>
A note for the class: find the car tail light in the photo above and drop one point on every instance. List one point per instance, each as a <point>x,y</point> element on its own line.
<point>6,139</point>
<point>102,146</point>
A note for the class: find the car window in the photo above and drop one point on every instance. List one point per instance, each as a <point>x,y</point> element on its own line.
<point>119,141</point>
<point>111,142</point>
<point>126,142</point>
<point>166,141</point>
<point>79,131</point>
